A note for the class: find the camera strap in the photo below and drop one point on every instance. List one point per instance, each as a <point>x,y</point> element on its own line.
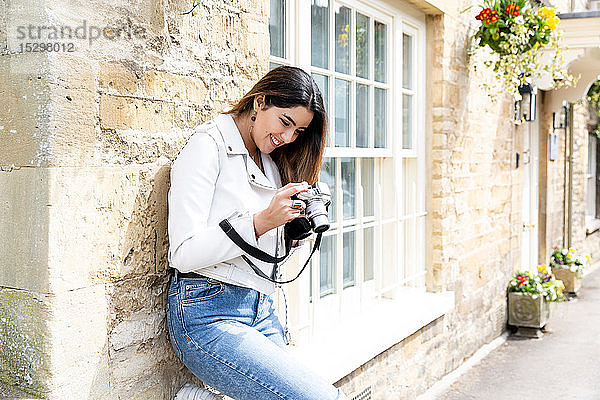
<point>247,247</point>
<point>261,255</point>
<point>263,275</point>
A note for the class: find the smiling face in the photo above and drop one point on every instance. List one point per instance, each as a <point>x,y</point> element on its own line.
<point>275,127</point>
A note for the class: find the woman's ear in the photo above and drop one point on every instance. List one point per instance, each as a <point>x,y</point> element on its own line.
<point>259,102</point>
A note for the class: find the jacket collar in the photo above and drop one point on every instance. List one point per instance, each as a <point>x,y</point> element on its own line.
<point>231,135</point>
<point>235,145</point>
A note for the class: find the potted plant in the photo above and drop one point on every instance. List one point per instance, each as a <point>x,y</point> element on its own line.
<point>568,266</point>
<point>515,34</point>
<point>529,296</point>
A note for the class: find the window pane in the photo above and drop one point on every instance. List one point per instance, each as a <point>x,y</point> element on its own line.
<point>342,113</point>
<point>380,51</point>
<point>349,187</point>
<point>348,259</point>
<point>369,251</point>
<point>277,28</point>
<point>323,84</point>
<point>407,121</point>
<point>328,176</point>
<point>407,62</point>
<point>320,33</point>
<point>362,45</point>
<point>274,65</point>
<point>362,115</point>
<point>380,117</point>
<point>327,265</point>
<point>342,39</point>
<point>368,186</point>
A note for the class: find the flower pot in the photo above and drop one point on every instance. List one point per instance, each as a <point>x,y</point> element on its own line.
<point>569,278</point>
<point>527,311</point>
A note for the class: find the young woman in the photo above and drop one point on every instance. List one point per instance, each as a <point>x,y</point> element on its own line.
<point>242,166</point>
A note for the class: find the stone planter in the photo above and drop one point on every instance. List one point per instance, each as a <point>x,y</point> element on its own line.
<point>527,311</point>
<point>569,278</point>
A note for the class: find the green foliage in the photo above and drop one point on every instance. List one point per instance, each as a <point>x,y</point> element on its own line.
<point>517,32</point>
<point>593,97</point>
<point>569,259</point>
<point>543,284</point>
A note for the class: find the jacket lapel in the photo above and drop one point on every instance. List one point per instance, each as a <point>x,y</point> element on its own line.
<point>234,145</point>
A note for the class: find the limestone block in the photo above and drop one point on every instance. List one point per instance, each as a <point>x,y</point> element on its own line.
<point>187,118</point>
<point>47,116</point>
<point>132,113</point>
<point>137,329</point>
<point>24,229</point>
<point>165,85</point>
<point>140,146</point>
<point>117,76</point>
<point>106,223</point>
<point>24,110</point>
<point>137,299</point>
<point>72,116</point>
<point>78,326</point>
<point>24,340</point>
<point>143,369</point>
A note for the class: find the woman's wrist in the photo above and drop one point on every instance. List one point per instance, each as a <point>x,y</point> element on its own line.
<point>261,225</point>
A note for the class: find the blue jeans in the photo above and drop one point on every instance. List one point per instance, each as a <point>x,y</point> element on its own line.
<point>231,339</point>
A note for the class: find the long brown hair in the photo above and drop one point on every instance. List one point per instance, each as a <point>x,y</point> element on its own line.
<point>288,87</point>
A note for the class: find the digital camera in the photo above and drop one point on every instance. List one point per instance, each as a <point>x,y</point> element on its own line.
<point>317,199</point>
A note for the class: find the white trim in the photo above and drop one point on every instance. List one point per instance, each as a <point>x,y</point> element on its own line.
<point>394,321</point>
<point>357,152</point>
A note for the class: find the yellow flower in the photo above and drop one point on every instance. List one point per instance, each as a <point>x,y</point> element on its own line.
<point>542,268</point>
<point>546,12</point>
<point>552,22</point>
<point>496,36</point>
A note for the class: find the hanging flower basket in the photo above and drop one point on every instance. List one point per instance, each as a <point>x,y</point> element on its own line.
<point>518,32</point>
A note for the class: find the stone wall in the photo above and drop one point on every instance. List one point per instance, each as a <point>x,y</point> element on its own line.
<point>554,184</point>
<point>585,243</point>
<point>86,139</point>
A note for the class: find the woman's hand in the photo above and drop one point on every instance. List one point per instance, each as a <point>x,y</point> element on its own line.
<point>281,209</point>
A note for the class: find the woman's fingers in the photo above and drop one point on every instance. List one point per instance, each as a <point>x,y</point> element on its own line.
<point>292,188</point>
<point>293,215</point>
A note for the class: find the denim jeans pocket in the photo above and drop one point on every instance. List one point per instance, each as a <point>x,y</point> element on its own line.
<point>200,290</point>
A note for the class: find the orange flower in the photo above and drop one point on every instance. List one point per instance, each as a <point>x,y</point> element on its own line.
<point>513,9</point>
<point>485,14</point>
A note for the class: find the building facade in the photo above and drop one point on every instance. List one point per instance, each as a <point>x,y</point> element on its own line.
<point>431,213</point>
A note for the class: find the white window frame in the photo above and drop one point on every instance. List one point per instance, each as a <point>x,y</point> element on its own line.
<point>335,323</point>
<point>592,223</point>
<point>290,27</point>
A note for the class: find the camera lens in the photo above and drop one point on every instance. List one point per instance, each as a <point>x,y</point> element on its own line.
<point>317,214</point>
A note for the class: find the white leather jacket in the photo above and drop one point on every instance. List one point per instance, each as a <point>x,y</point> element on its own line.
<point>213,178</point>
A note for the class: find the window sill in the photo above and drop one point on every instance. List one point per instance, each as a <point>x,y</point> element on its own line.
<point>592,225</point>
<point>337,352</point>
